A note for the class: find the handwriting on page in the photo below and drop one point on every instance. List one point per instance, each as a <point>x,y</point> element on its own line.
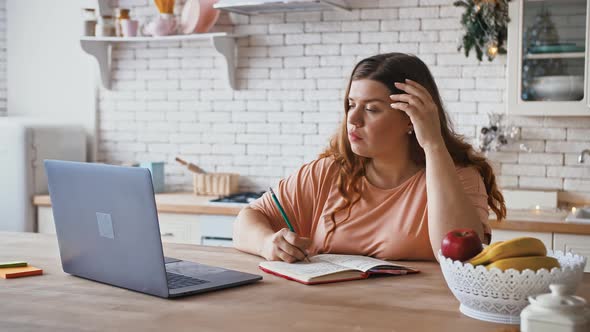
<point>314,269</point>
<point>353,262</point>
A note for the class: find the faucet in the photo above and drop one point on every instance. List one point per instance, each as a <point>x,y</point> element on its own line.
<point>581,156</point>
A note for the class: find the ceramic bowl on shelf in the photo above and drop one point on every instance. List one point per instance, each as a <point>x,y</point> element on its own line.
<point>500,296</point>
<point>207,17</point>
<point>558,87</point>
<point>198,16</point>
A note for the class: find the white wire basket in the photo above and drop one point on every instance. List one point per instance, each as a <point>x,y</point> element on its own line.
<point>499,296</point>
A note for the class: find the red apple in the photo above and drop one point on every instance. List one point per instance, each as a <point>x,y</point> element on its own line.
<point>461,244</point>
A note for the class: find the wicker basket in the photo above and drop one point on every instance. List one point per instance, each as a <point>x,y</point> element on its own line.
<point>215,184</point>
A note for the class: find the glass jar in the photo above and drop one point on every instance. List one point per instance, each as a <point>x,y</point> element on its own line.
<point>122,14</point>
<point>88,22</point>
<point>105,27</point>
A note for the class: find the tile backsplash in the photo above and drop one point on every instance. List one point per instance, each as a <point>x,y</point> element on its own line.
<point>171,99</point>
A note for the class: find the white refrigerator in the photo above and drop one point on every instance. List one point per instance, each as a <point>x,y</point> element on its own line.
<point>24,144</point>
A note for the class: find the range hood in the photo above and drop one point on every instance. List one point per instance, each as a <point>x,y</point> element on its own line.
<point>254,7</point>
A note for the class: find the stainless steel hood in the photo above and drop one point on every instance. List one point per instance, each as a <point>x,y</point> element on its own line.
<point>255,7</point>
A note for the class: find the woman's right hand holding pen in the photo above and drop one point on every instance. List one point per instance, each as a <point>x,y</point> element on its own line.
<point>285,245</point>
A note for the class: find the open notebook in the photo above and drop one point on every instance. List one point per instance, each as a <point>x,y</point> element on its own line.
<point>327,268</point>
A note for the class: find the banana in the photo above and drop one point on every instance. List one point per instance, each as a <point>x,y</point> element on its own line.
<point>518,247</point>
<point>522,263</point>
<point>477,258</point>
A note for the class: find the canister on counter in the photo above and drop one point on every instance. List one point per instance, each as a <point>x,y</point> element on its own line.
<point>558,311</point>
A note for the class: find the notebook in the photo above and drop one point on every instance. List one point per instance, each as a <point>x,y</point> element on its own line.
<point>22,271</point>
<point>326,268</point>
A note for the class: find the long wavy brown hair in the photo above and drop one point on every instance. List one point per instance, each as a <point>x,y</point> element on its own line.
<point>388,69</point>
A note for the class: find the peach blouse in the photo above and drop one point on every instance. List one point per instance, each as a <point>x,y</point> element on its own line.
<point>385,223</point>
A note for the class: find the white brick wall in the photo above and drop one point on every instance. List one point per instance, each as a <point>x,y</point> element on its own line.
<point>3,57</point>
<point>170,99</point>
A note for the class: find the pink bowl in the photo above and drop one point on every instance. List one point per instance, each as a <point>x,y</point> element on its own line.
<point>207,17</point>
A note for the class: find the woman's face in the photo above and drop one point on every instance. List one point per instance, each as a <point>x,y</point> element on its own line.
<point>375,130</point>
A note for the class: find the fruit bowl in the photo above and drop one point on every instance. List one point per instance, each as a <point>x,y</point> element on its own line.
<point>499,296</point>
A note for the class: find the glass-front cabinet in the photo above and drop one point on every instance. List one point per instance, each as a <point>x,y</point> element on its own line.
<point>548,57</point>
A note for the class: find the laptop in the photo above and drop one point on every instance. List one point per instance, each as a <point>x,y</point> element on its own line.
<point>107,230</point>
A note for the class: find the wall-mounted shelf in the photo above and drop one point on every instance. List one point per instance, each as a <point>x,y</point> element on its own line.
<point>101,48</point>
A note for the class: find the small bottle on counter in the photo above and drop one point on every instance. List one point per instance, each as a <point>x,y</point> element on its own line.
<point>89,22</point>
<point>122,14</point>
<point>105,27</point>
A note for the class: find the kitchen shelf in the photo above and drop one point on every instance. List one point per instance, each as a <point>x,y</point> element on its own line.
<point>562,55</point>
<point>101,48</point>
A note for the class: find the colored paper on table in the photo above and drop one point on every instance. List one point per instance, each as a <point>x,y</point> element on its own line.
<point>13,264</point>
<point>17,272</point>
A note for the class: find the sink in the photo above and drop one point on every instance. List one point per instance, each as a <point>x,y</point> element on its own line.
<point>579,215</point>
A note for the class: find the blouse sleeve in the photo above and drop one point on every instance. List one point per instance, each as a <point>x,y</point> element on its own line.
<point>297,194</point>
<point>475,189</point>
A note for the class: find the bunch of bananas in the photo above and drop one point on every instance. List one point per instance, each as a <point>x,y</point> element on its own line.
<point>520,254</point>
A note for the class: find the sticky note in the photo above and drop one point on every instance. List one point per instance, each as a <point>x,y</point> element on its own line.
<point>12,264</point>
<point>16,272</point>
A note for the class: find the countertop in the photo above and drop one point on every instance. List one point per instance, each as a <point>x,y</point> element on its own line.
<point>57,301</point>
<point>176,203</point>
<point>517,220</point>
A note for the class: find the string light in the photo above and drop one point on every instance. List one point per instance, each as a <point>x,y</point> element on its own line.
<point>492,50</point>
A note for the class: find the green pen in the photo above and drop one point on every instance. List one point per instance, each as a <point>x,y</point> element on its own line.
<point>274,198</point>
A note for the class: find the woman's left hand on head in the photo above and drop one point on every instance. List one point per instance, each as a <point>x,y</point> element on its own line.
<point>417,103</point>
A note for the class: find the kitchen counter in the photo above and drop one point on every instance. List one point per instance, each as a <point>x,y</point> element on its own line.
<point>57,301</point>
<point>517,220</point>
<point>187,203</point>
<point>539,221</point>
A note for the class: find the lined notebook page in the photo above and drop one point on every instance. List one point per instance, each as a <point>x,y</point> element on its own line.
<point>355,262</point>
<point>316,268</point>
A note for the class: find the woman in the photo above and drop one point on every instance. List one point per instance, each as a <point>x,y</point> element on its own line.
<point>366,194</point>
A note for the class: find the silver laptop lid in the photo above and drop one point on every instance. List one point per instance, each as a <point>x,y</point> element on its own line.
<point>107,224</point>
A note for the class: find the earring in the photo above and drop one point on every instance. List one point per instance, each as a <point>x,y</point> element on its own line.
<point>411,131</point>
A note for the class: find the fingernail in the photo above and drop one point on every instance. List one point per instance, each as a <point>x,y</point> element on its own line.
<point>398,83</point>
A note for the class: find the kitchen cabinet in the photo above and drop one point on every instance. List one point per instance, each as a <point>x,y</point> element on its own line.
<point>548,58</point>
<point>579,244</point>
<point>203,229</point>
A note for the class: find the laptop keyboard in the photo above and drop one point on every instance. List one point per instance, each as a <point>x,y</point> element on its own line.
<point>179,281</point>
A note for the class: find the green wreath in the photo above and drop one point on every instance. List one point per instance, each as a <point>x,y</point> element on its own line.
<point>486,25</point>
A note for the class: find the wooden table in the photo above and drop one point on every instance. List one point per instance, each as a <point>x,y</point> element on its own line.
<point>57,301</point>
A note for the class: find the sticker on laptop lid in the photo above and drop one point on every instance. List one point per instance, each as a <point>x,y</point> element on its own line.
<point>105,225</point>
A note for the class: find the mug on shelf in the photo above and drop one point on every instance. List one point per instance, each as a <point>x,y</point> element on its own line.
<point>163,25</point>
<point>129,28</point>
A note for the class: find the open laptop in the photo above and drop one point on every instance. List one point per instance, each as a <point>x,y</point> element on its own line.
<point>107,230</point>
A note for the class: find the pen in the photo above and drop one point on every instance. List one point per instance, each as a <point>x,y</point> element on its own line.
<point>276,200</point>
